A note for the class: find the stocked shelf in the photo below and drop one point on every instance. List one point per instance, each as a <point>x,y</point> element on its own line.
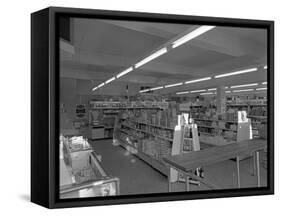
<point>160,166</point>
<point>228,121</point>
<point>153,125</point>
<point>103,114</point>
<point>216,128</point>
<point>150,133</point>
<point>258,117</point>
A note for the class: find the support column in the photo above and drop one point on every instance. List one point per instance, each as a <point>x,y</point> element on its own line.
<point>221,100</point>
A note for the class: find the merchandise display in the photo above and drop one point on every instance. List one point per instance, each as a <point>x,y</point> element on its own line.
<point>150,108</point>
<point>83,176</point>
<point>103,114</point>
<point>153,130</point>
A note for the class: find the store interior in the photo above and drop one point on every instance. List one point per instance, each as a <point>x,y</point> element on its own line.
<point>134,94</point>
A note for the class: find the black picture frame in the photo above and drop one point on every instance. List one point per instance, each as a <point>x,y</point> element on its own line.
<point>45,107</point>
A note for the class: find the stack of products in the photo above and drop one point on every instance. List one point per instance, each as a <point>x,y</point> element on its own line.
<point>84,175</point>
<point>156,148</point>
<point>230,115</point>
<point>165,147</point>
<point>187,145</point>
<point>262,130</point>
<point>78,143</point>
<point>128,138</point>
<point>258,111</point>
<point>161,132</point>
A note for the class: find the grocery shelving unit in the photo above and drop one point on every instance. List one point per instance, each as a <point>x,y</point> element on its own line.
<point>223,131</point>
<point>102,116</point>
<point>129,131</point>
<point>151,142</point>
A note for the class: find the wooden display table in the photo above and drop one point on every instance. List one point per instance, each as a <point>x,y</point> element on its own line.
<point>187,162</point>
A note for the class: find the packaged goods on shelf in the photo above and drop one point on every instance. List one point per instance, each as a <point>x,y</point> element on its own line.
<point>230,135</point>
<point>258,111</point>
<point>215,139</point>
<point>187,145</point>
<point>230,115</point>
<point>233,127</point>
<point>156,148</point>
<point>84,175</point>
<point>78,143</point>
<point>262,130</point>
<point>129,139</point>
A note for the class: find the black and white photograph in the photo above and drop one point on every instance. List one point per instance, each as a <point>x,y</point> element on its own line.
<point>155,107</point>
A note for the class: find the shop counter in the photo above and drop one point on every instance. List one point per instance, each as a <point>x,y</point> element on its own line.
<point>186,162</point>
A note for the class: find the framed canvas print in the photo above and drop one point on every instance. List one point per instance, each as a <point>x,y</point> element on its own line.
<point>138,107</point>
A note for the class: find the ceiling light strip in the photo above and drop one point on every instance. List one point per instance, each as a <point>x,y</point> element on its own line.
<point>124,72</point>
<point>145,90</point>
<point>100,85</point>
<point>186,92</point>
<point>237,72</point>
<point>156,88</point>
<point>191,35</point>
<point>178,42</point>
<point>198,80</point>
<point>245,85</point>
<point>173,85</point>
<point>196,91</point>
<point>243,90</point>
<point>261,89</point>
<point>207,93</point>
<point>110,80</point>
<point>151,57</point>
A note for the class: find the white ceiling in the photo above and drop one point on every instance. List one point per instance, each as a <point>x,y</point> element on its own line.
<point>103,48</point>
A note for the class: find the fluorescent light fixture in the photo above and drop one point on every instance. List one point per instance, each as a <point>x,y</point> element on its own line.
<point>201,90</point>
<point>101,85</point>
<point>264,83</point>
<point>94,89</point>
<point>243,90</point>
<point>156,88</point>
<point>124,72</point>
<point>226,87</point>
<point>109,80</point>
<point>186,92</point>
<point>265,67</point>
<point>227,92</point>
<point>212,89</point>
<point>172,85</point>
<point>198,80</point>
<point>261,89</point>
<point>246,85</point>
<point>237,72</point>
<point>151,57</point>
<point>191,35</point>
<point>207,93</point>
<point>145,90</point>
